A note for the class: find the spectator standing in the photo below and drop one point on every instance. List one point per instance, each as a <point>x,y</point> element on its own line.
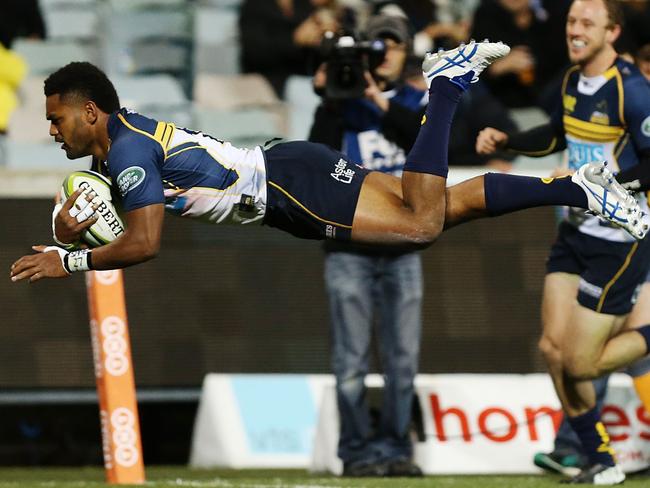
<point>535,33</point>
<point>280,38</point>
<point>374,131</point>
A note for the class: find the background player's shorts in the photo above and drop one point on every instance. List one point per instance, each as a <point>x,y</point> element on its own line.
<point>611,273</point>
<point>312,190</point>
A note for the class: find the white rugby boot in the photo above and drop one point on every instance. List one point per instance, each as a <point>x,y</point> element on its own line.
<point>609,200</point>
<point>463,64</point>
<point>598,474</point>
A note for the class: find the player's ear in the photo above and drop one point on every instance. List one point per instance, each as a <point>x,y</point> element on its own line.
<point>91,111</point>
<point>612,33</point>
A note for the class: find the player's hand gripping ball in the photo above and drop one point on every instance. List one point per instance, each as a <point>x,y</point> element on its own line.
<point>109,225</point>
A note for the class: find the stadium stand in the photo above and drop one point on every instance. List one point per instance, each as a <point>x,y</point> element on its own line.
<point>159,96</point>
<point>302,103</point>
<point>43,57</point>
<point>242,109</point>
<point>216,40</point>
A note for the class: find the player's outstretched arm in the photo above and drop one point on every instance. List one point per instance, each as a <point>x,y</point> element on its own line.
<point>139,243</point>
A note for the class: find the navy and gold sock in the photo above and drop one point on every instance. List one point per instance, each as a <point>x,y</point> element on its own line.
<point>594,437</point>
<point>429,152</point>
<point>508,193</point>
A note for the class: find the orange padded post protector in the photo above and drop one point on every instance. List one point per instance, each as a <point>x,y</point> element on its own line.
<point>118,408</point>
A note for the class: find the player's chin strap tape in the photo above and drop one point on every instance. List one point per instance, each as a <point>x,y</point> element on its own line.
<point>73,261</point>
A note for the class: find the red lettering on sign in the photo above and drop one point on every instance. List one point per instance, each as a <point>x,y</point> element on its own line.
<point>512,424</point>
<point>438,415</point>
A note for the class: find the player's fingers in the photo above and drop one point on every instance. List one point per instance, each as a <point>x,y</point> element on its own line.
<point>23,273</point>
<point>79,206</point>
<point>87,223</point>
<point>86,212</point>
<point>36,276</point>
<point>39,248</point>
<point>67,205</point>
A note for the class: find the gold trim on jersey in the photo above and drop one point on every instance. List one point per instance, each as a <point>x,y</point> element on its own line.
<point>621,97</point>
<point>590,131</point>
<point>312,214</point>
<point>618,274</point>
<point>162,135</point>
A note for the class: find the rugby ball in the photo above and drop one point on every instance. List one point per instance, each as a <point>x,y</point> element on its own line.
<point>109,225</point>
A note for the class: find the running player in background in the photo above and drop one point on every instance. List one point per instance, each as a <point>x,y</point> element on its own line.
<point>594,269</point>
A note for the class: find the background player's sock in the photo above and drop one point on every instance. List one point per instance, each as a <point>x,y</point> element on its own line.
<point>429,152</point>
<point>507,193</point>
<point>642,387</point>
<point>594,438</point>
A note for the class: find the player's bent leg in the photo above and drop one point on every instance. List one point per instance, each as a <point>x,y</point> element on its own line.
<point>382,217</point>
<point>586,340</point>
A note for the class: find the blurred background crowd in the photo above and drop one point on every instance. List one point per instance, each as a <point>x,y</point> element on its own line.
<point>241,69</point>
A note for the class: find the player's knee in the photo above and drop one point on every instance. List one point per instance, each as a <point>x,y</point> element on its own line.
<point>422,234</point>
<point>581,370</point>
<point>551,353</point>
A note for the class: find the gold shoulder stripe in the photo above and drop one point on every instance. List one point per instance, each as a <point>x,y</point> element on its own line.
<point>158,135</point>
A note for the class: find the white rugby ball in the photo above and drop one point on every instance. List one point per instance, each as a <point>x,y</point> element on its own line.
<point>109,225</point>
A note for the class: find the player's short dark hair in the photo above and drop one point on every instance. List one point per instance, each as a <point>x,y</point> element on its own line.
<point>84,80</point>
<point>614,12</point>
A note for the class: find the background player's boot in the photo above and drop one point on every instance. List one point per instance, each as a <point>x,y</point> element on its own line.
<point>598,474</point>
<point>567,463</point>
<point>463,64</point>
<point>609,200</point>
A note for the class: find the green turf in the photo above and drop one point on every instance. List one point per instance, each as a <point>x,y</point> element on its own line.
<point>183,477</point>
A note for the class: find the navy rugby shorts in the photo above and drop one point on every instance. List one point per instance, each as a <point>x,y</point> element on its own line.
<point>312,190</point>
<point>611,273</point>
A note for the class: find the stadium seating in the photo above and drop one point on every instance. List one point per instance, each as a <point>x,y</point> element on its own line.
<point>302,103</point>
<point>216,41</point>
<point>241,127</point>
<point>43,57</point>
<point>159,96</point>
<point>242,109</point>
<point>72,23</point>
<point>149,36</point>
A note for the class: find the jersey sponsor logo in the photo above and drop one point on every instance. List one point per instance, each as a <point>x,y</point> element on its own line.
<point>583,152</point>
<point>130,178</point>
<point>645,126</point>
<point>342,173</point>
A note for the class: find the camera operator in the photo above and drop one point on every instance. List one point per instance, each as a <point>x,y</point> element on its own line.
<point>369,114</point>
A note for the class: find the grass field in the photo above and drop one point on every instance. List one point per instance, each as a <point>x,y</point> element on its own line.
<point>181,476</point>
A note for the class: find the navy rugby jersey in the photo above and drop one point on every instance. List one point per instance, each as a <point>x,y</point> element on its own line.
<point>193,174</point>
<point>604,117</point>
<point>363,140</point>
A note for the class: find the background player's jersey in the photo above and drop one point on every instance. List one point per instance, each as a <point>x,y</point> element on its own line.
<point>363,140</point>
<point>193,174</point>
<point>605,117</point>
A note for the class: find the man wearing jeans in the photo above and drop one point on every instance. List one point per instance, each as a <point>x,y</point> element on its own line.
<point>375,131</point>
